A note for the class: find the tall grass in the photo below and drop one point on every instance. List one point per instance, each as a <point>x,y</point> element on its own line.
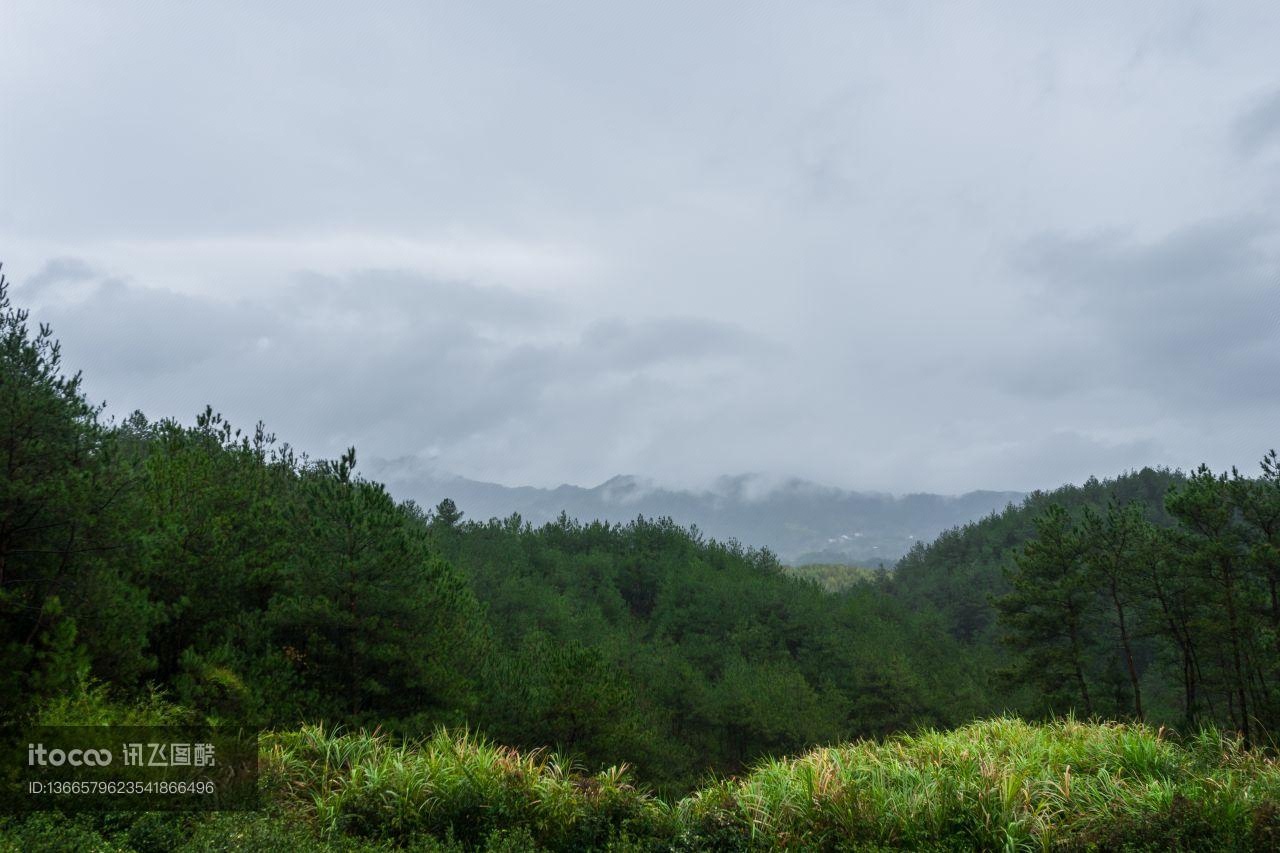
<point>453,785</point>
<point>1008,785</point>
<point>1000,784</point>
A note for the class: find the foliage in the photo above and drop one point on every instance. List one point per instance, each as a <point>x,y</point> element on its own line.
<point>64,605</point>
<point>999,784</point>
<point>151,570</point>
<point>835,577</point>
<point>1105,606</point>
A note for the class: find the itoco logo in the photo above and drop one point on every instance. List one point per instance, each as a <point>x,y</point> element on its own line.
<point>38,755</point>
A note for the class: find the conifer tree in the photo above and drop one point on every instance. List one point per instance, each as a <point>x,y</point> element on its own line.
<point>1048,613</point>
<point>64,607</point>
<point>379,624</point>
<point>1211,544</point>
<point>1116,542</point>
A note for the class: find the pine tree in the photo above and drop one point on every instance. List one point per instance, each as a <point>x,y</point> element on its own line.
<point>64,608</point>
<point>1047,614</point>
<point>1116,544</point>
<point>1212,545</point>
<point>378,623</point>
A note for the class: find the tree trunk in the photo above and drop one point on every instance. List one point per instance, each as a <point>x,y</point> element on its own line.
<point>1236,658</point>
<point>1074,629</point>
<point>1128,651</point>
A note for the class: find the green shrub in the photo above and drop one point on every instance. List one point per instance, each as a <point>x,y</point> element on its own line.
<point>1000,784</point>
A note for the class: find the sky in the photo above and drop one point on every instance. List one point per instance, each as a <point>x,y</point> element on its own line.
<point>888,246</point>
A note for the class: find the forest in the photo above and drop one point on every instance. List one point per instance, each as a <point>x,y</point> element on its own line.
<point>156,569</point>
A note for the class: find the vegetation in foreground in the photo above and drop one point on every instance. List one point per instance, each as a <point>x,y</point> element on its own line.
<point>1000,784</point>
<point>244,582</point>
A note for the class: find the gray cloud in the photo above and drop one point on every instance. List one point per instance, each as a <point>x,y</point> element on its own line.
<point>649,342</point>
<point>1194,314</point>
<point>388,359</point>
<point>57,271</point>
<point>1259,125</point>
<point>895,246</point>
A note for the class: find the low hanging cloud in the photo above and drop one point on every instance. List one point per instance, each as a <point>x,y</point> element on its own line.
<point>890,246</point>
<point>388,360</point>
<point>1192,316</point>
<point>1259,126</point>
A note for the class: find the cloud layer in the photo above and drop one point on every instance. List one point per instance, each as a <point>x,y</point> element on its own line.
<point>884,246</point>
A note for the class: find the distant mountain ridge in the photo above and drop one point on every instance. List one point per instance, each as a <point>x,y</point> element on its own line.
<point>800,521</point>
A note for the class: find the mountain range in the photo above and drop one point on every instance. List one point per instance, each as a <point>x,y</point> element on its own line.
<point>800,521</point>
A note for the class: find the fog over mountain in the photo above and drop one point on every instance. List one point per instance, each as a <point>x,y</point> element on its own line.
<point>1002,246</point>
<point>800,521</point>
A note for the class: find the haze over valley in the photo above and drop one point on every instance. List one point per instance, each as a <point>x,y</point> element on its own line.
<point>800,521</point>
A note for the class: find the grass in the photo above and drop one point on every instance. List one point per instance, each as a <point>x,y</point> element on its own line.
<point>1000,784</point>
<point>832,577</point>
<point>1008,785</point>
<point>451,785</point>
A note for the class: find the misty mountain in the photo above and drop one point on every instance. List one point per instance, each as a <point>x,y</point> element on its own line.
<point>800,521</point>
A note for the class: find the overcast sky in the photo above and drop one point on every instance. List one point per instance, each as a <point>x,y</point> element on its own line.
<point>887,246</point>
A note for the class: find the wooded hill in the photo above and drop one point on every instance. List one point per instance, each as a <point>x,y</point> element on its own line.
<point>246,582</point>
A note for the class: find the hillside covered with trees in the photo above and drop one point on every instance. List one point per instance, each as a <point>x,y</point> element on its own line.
<point>219,572</point>
<point>247,582</point>
<point>1154,596</point>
